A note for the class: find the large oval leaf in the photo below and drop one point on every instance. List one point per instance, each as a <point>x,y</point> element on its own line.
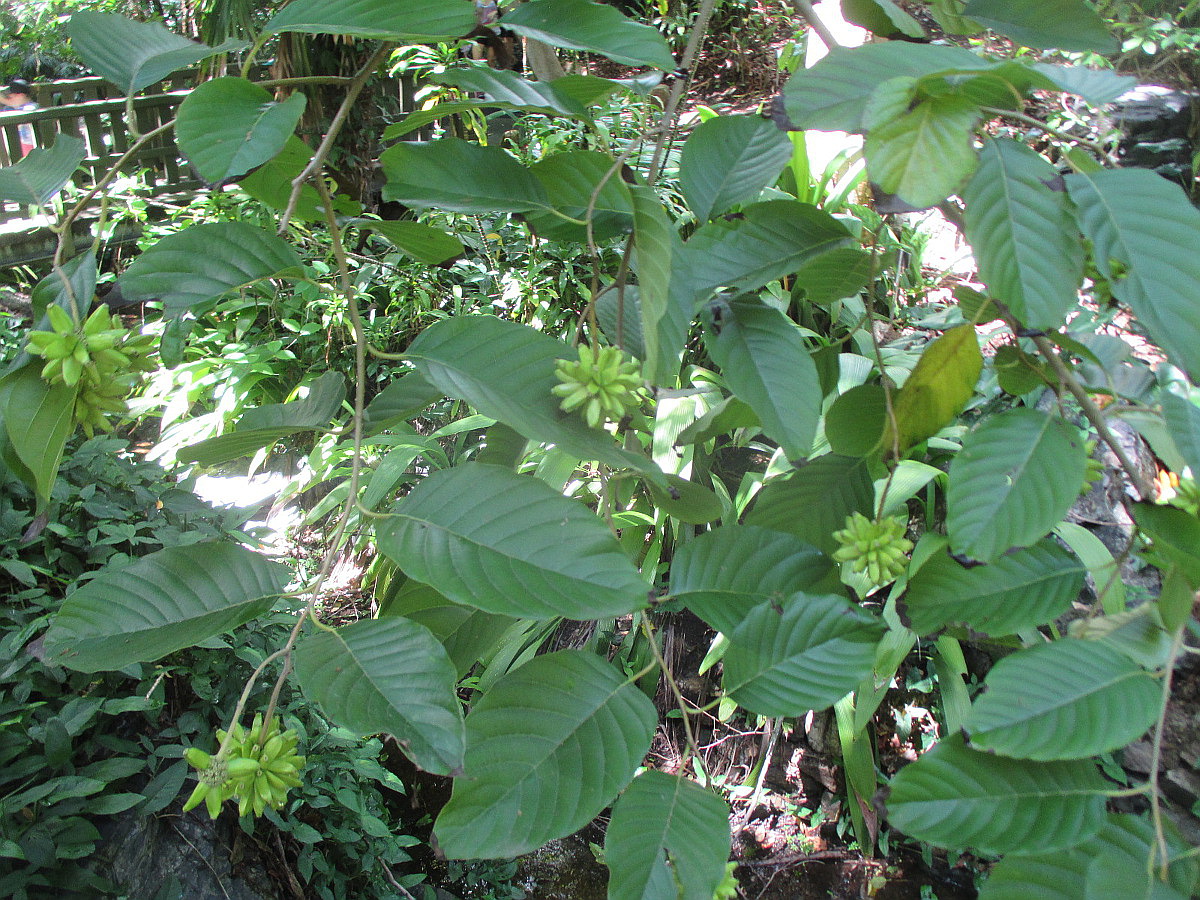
<point>528,551</point>
<point>1020,590</point>
<point>133,55</point>
<point>816,500</point>
<point>954,796</point>
<point>1023,233</point>
<point>938,388</point>
<point>1016,476</point>
<point>1145,236</point>
<point>766,365</point>
<point>926,153</point>
<point>163,602</point>
<point>228,126</point>
<point>199,264</point>
<point>410,21</point>
<point>570,179</point>
<point>804,653</point>
<point>1064,700</point>
<point>724,573</point>
<point>547,748</point>
<point>664,287</point>
<point>729,160</point>
<point>1093,870</point>
<point>459,356</point>
<point>1046,24</point>
<point>595,27</point>
<point>767,241</point>
<point>664,814</point>
<point>388,675</point>
<point>832,95</point>
<point>42,173</point>
<point>38,418</point>
<point>458,176</point>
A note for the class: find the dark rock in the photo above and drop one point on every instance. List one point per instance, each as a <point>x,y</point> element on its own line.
<point>144,854</point>
<point>1152,112</point>
<point>1182,786</point>
<point>1137,758</point>
<point>563,870</point>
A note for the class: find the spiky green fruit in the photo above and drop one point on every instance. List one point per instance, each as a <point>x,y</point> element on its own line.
<point>602,384</point>
<point>877,548</point>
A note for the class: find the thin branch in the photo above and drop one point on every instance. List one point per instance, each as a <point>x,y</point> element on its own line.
<point>1049,129</point>
<point>805,8</point>
<point>355,88</point>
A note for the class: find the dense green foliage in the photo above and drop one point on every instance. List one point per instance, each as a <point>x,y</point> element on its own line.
<point>752,292</point>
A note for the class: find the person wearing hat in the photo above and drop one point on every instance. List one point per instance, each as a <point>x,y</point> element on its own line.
<point>18,95</point>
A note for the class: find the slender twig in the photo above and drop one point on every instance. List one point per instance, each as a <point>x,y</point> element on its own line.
<point>352,91</point>
<point>1049,129</point>
<point>805,8</point>
<point>693,747</point>
<point>695,40</point>
<point>1161,850</point>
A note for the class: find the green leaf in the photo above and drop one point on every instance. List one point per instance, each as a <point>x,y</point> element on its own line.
<point>619,313</point>
<point>458,176</point>
<point>527,738</point>
<point>806,652</point>
<point>833,94</point>
<point>1183,421</point>
<point>1018,372</point>
<point>938,388</point>
<point>1096,86</point>
<point>510,91</point>
<point>1099,561</point>
<point>765,242</point>
<point>204,262</point>
<point>1022,231</point>
<point>1065,700</point>
<point>459,355</point>
<point>594,27</point>
<point>927,153</point>
<point>1014,479</point>
<point>728,161</point>
<point>664,299</point>
<point>228,126</point>
<point>1145,235</point>
<point>957,797</point>
<point>133,55</point>
<point>423,243</point>
<point>816,500</point>
<point>42,173</point>
<point>161,603</point>
<point>405,21</point>
<point>835,275</point>
<point>1176,537</point>
<point>507,556</point>
<point>388,675</point>
<point>570,179</point>
<point>402,399</point>
<point>467,634</point>
<point>1046,24</point>
<point>883,17</point>
<point>1020,590</point>
<point>265,425</point>
<point>1093,870</point>
<point>687,501</point>
<point>665,813</point>
<point>766,365</point>
<point>38,417</point>
<point>80,272</point>
<point>857,420</point>
<point>725,573</point>
<point>271,183</point>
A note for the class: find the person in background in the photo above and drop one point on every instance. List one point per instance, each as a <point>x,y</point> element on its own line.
<point>18,95</point>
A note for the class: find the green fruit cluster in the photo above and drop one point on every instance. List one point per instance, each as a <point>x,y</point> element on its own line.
<point>257,768</point>
<point>603,384</point>
<point>878,548</point>
<point>100,359</point>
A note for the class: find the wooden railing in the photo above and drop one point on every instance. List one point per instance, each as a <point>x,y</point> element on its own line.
<point>92,109</point>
